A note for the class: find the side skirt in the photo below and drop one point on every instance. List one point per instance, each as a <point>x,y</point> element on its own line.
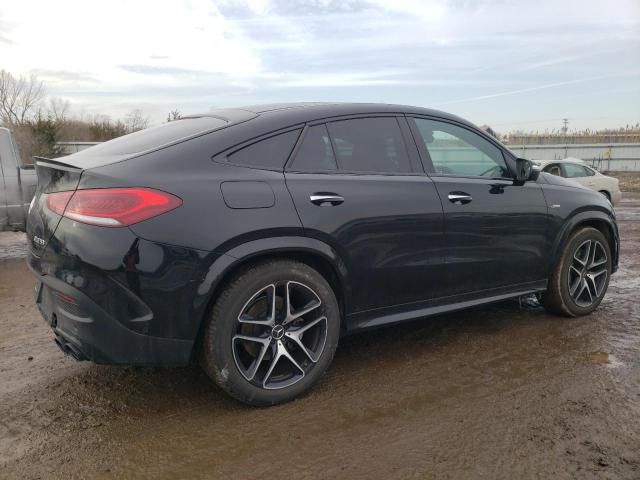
<point>386,316</point>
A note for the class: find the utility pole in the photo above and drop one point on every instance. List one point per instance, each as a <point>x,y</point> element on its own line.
<point>565,126</point>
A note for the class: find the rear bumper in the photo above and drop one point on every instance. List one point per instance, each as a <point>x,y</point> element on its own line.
<point>112,297</point>
<point>86,332</point>
<point>616,196</point>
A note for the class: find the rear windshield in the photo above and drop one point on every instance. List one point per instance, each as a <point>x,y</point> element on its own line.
<point>156,136</point>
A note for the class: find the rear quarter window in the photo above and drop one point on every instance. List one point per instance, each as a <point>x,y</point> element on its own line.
<point>271,153</point>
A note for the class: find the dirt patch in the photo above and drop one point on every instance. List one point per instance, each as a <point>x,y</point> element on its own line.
<point>629,181</point>
<point>12,245</point>
<point>493,392</point>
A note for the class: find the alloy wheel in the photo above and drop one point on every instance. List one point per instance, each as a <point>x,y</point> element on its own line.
<point>588,273</point>
<point>280,335</point>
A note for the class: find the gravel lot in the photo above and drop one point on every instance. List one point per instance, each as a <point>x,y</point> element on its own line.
<point>494,392</point>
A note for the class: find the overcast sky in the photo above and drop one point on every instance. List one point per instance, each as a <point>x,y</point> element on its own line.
<point>518,64</point>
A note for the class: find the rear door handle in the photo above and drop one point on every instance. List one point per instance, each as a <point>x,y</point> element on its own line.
<point>326,199</point>
<point>460,198</point>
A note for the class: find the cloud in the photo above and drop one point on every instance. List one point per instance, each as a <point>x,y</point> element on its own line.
<point>523,90</point>
<point>154,70</point>
<point>194,54</point>
<point>64,76</point>
<point>4,28</point>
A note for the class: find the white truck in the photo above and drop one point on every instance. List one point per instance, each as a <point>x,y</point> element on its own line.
<point>17,184</point>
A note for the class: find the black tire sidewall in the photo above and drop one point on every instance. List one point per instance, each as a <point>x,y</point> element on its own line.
<point>221,365</point>
<point>573,244</point>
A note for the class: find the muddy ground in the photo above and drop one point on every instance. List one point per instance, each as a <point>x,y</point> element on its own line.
<point>629,181</point>
<point>494,392</point>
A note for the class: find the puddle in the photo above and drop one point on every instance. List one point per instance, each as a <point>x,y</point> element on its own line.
<point>599,358</point>
<point>604,358</point>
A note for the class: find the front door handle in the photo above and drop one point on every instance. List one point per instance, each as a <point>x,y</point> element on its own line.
<point>326,199</point>
<point>460,198</point>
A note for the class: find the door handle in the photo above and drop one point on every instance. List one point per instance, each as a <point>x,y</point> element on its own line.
<point>460,198</point>
<point>326,199</point>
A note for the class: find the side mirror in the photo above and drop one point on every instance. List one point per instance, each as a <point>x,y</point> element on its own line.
<point>526,170</point>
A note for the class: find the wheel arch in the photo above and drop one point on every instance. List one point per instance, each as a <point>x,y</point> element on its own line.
<point>312,252</point>
<point>605,192</point>
<point>596,219</point>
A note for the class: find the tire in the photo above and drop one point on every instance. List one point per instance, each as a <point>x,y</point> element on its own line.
<point>577,288</point>
<point>247,330</point>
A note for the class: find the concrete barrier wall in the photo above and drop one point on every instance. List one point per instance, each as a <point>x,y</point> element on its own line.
<point>616,157</point>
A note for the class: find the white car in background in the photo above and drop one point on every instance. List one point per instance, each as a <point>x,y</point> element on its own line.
<point>585,175</point>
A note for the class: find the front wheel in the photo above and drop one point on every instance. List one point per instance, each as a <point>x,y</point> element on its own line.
<point>580,280</point>
<point>272,332</point>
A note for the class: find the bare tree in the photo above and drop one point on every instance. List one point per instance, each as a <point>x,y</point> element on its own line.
<point>174,115</point>
<point>58,109</point>
<point>135,121</point>
<point>20,98</point>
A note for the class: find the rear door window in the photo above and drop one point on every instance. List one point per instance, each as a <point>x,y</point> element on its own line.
<point>316,152</point>
<point>271,153</point>
<point>369,145</point>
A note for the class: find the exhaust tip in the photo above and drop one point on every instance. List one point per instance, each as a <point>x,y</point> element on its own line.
<point>69,349</point>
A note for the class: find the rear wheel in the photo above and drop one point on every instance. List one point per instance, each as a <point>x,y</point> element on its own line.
<point>581,277</point>
<point>272,332</point>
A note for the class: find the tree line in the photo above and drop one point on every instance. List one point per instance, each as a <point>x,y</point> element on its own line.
<point>39,122</point>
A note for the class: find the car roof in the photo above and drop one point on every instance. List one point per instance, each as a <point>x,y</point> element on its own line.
<point>299,112</point>
<point>248,122</point>
<point>564,160</point>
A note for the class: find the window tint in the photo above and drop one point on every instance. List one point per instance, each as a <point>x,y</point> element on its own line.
<point>271,152</point>
<point>315,152</point>
<point>457,151</point>
<point>573,171</point>
<point>553,169</point>
<point>370,145</point>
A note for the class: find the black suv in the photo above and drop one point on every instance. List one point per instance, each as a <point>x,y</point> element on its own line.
<point>253,238</point>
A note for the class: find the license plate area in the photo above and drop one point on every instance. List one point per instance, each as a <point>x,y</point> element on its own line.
<point>44,301</point>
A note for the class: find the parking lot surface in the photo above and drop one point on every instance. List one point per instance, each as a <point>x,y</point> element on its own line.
<point>494,392</point>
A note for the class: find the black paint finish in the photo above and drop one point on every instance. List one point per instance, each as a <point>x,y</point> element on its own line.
<point>247,194</point>
<point>393,248</point>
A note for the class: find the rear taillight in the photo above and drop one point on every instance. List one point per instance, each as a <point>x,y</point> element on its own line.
<point>112,207</point>
<point>57,202</point>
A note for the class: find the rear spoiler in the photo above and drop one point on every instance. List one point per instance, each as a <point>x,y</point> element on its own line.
<point>47,162</point>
